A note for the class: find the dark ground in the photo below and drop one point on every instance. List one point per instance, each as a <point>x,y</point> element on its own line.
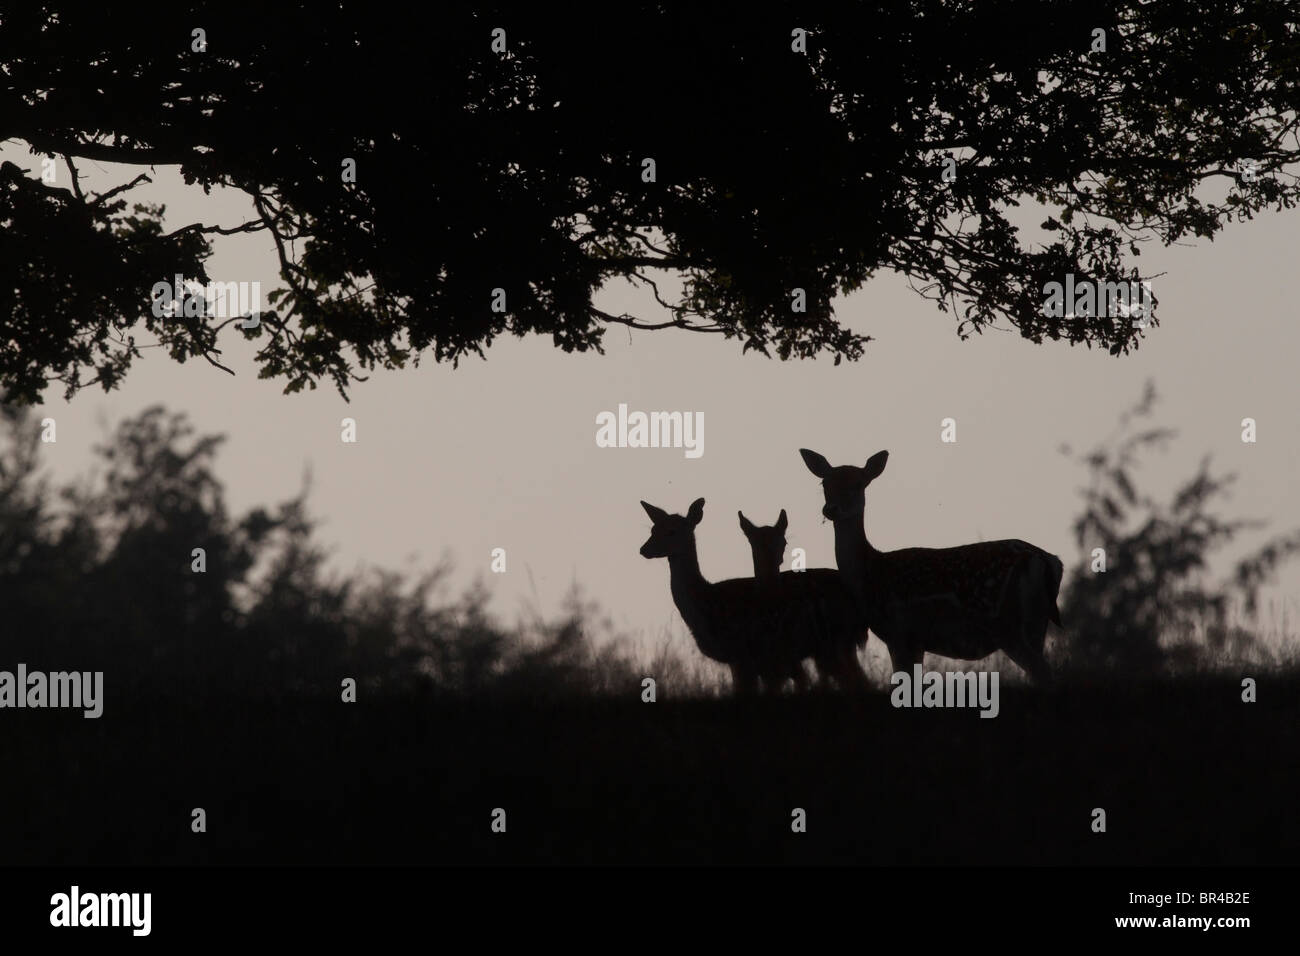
<point>1187,773</point>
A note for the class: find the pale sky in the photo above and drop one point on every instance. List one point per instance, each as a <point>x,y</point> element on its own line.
<point>502,452</point>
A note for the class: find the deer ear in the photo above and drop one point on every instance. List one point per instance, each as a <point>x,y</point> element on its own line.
<point>746,525</point>
<point>874,466</point>
<point>818,465</point>
<point>696,512</point>
<point>656,514</point>
<point>782,522</point>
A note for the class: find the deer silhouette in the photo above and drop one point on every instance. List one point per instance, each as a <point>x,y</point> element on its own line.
<point>964,602</point>
<point>762,633</point>
<point>838,634</point>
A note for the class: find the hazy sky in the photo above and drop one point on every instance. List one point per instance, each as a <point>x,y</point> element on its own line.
<point>502,452</point>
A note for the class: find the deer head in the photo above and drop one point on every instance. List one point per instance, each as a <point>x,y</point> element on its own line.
<point>767,544</point>
<point>844,487</point>
<point>671,534</point>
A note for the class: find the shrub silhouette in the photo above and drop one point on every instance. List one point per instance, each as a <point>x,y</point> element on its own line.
<point>104,582</point>
<point>1152,609</point>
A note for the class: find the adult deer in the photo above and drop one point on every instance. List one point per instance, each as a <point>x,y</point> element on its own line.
<point>964,602</point>
<point>837,656</point>
<point>760,632</point>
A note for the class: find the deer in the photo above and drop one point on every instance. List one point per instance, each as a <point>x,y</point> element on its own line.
<point>965,602</point>
<point>761,633</point>
<point>837,656</point>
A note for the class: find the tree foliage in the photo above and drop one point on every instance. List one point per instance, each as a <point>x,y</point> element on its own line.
<point>777,167</point>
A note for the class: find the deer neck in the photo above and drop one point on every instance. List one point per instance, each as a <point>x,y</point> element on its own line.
<point>765,571</point>
<point>854,555</point>
<point>688,586</point>
<point>694,600</point>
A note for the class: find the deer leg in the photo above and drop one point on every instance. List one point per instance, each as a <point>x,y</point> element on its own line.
<point>854,677</point>
<point>773,681</point>
<point>1031,628</point>
<point>800,678</point>
<point>903,655</point>
<point>842,663</point>
<point>743,681</point>
<point>1030,659</point>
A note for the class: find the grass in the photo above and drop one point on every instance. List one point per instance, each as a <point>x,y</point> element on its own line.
<point>1187,773</point>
